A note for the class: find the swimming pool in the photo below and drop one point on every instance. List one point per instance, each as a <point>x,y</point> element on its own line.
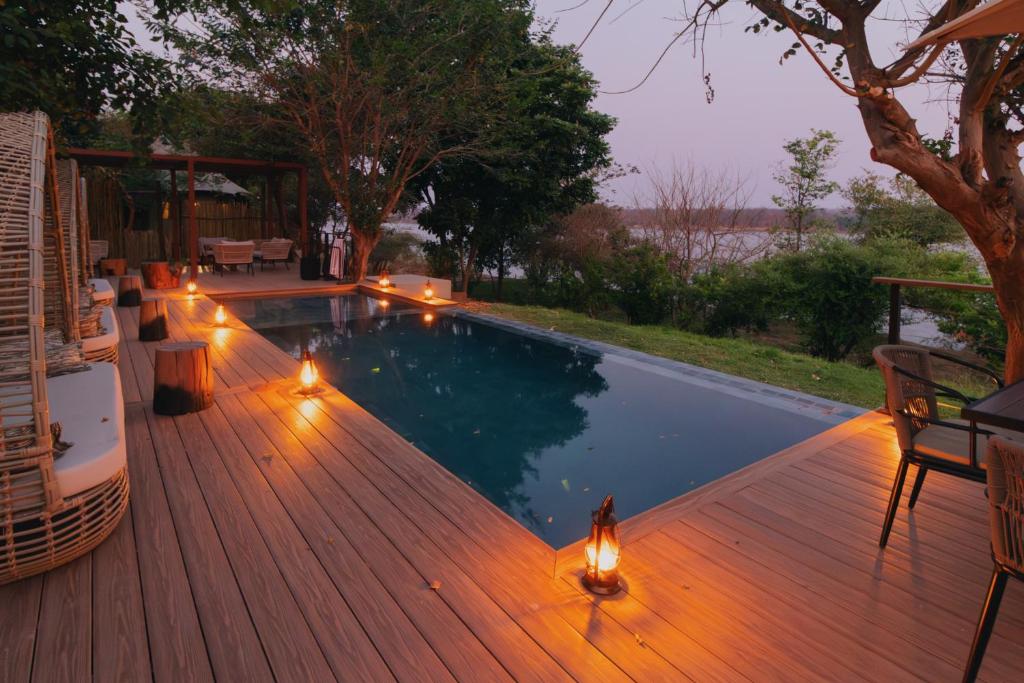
<point>541,424</point>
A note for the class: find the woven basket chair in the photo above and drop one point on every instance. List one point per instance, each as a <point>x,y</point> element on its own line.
<point>925,439</point>
<point>39,529</point>
<point>1005,460</point>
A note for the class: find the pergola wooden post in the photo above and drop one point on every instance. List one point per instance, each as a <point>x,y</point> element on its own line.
<point>303,212</point>
<point>193,228</point>
<point>175,217</point>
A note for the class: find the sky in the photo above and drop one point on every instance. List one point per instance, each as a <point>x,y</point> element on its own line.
<point>758,105</point>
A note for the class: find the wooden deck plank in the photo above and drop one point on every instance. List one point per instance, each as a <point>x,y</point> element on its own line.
<point>19,619</point>
<point>399,641</point>
<point>291,647</point>
<point>231,639</point>
<point>64,638</point>
<point>120,646</point>
<point>343,640</point>
<point>176,644</point>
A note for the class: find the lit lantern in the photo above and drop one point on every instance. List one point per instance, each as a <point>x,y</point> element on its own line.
<point>308,375</point>
<point>384,303</point>
<point>220,317</point>
<point>191,287</point>
<point>384,281</point>
<point>428,318</point>
<point>602,551</point>
<point>428,291</point>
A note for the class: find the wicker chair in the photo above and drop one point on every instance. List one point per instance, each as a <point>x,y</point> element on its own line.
<point>926,440</point>
<point>1005,476</point>
<point>234,254</point>
<point>272,251</point>
<point>53,510</point>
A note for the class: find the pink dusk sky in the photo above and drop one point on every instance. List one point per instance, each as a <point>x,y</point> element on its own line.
<point>759,104</point>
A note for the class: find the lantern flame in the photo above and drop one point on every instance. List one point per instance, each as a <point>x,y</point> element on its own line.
<point>308,375</point>
<point>220,317</point>
<point>428,291</point>
<point>602,551</point>
<point>384,281</point>
<point>191,288</point>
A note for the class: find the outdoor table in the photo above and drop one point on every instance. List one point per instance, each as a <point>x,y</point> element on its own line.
<point>1004,408</point>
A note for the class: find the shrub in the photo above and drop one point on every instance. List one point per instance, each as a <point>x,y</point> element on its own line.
<point>726,300</point>
<point>830,296</point>
<point>645,285</point>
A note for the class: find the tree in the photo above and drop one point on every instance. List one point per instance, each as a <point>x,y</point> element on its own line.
<point>492,206</point>
<point>805,180</point>
<point>697,217</point>
<point>372,89</point>
<point>903,210</point>
<point>72,59</point>
<point>982,185</point>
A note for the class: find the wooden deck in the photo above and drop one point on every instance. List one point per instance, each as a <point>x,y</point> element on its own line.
<point>270,282</point>
<point>279,538</point>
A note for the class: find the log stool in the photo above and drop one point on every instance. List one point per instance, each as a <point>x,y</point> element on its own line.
<point>113,266</point>
<point>182,378</point>
<point>153,319</point>
<point>158,275</point>
<point>129,290</point>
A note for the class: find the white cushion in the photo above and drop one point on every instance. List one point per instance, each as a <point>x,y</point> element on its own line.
<point>109,338</point>
<point>103,290</point>
<point>89,407</point>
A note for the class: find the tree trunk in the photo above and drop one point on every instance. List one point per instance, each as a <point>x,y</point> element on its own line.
<point>362,245</point>
<point>467,269</point>
<point>182,378</point>
<point>501,275</point>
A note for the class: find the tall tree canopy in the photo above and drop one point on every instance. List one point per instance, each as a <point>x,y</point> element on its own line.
<point>74,58</point>
<point>981,185</point>
<point>373,89</point>
<point>544,159</point>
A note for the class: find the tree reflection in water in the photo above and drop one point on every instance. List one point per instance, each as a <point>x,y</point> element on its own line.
<point>483,402</point>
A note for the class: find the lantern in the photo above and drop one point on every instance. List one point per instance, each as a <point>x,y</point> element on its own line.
<point>602,551</point>
<point>308,375</point>
<point>220,317</point>
<point>384,281</point>
<point>428,318</point>
<point>428,291</point>
<point>191,287</point>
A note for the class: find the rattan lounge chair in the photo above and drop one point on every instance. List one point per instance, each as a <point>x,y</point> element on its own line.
<point>55,507</point>
<point>1005,477</point>
<point>925,439</point>
<point>274,251</point>
<point>234,254</point>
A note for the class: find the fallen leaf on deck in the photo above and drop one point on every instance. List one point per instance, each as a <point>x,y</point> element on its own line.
<point>639,641</point>
<point>105,419</point>
<point>435,585</point>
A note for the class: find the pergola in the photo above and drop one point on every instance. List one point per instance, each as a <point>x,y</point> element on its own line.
<point>191,165</point>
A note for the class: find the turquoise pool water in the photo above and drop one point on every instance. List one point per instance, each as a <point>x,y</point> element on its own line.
<point>542,428</point>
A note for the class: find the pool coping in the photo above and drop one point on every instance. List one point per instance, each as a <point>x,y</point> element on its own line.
<point>825,410</point>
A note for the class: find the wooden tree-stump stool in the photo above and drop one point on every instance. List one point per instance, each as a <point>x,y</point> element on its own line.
<point>182,378</point>
<point>158,275</point>
<point>129,290</point>
<point>153,319</point>
<point>113,266</point>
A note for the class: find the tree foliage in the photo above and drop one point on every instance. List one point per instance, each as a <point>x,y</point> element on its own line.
<point>73,59</point>
<point>901,210</point>
<point>545,159</point>
<point>805,179</point>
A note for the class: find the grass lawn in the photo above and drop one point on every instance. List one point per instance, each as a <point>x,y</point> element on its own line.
<point>837,381</point>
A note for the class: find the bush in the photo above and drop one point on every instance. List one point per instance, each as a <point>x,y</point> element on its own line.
<point>645,286</point>
<point>726,300</point>
<point>829,295</point>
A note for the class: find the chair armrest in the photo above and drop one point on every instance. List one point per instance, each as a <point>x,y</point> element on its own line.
<point>940,389</point>
<point>960,361</point>
<point>973,429</point>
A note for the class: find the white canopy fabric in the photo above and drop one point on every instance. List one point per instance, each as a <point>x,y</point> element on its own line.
<point>994,18</point>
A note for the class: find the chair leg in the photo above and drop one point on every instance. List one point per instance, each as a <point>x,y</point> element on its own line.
<point>918,482</point>
<point>894,501</point>
<point>986,622</point>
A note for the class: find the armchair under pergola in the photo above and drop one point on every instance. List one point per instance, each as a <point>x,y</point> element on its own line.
<point>200,164</point>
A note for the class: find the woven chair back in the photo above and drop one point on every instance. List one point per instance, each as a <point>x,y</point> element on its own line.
<point>1005,474</point>
<point>906,397</point>
<point>275,250</point>
<point>233,253</point>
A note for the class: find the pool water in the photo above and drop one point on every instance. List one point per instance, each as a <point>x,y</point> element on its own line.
<point>543,429</point>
